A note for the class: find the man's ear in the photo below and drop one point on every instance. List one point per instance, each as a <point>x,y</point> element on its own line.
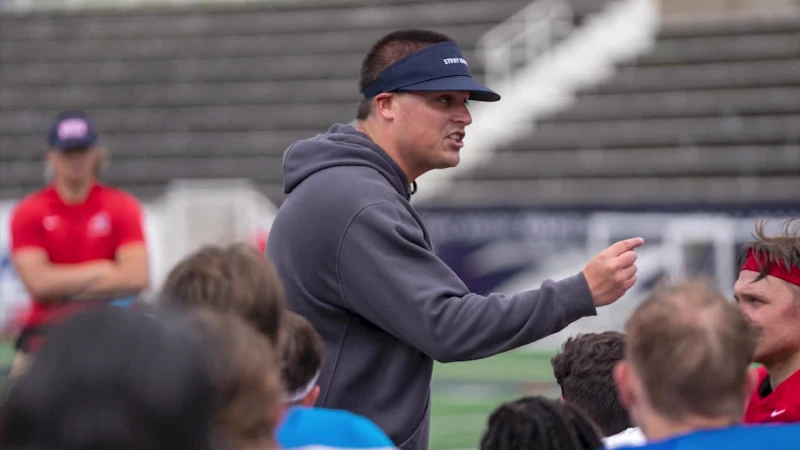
<point>624,383</point>
<point>385,105</point>
<point>311,398</point>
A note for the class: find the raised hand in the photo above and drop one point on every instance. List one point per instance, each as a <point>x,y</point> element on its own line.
<point>612,272</point>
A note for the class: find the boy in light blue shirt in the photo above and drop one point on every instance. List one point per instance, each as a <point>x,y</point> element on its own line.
<point>304,425</point>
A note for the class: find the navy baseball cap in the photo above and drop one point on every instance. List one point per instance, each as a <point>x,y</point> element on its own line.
<point>440,67</point>
<point>72,129</point>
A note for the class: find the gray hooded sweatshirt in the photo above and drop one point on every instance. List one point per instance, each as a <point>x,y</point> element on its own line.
<point>357,261</point>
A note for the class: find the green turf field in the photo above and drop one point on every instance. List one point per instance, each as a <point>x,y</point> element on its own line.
<point>464,394</point>
<point>6,355</point>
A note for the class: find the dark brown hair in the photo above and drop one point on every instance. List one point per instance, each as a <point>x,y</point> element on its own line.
<point>389,49</point>
<point>703,340</point>
<point>584,369</point>
<point>245,372</point>
<point>235,278</point>
<point>782,248</point>
<point>110,378</point>
<point>301,351</point>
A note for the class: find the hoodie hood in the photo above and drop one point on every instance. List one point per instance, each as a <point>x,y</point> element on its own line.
<point>342,145</point>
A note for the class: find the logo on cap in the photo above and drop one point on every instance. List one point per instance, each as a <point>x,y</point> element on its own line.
<point>73,129</point>
<point>438,67</point>
<point>455,61</point>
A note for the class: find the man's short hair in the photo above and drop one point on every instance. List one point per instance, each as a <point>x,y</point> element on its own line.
<point>584,369</point>
<point>783,248</point>
<point>703,340</point>
<point>389,49</point>
<point>234,278</point>
<point>539,423</point>
<point>301,351</point>
<point>245,372</point>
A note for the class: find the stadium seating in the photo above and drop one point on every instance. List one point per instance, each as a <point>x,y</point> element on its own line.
<point>220,92</point>
<point>203,93</point>
<point>710,116</point>
<point>200,93</point>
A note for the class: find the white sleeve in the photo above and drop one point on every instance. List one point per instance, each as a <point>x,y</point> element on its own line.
<point>629,437</point>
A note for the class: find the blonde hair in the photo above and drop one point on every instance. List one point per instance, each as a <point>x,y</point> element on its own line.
<point>692,349</point>
<point>101,161</point>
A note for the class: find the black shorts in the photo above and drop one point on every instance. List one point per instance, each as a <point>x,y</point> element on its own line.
<point>31,339</point>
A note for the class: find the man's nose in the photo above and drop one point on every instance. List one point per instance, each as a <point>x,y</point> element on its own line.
<point>463,115</point>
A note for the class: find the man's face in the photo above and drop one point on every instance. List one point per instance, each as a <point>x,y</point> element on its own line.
<point>73,165</point>
<point>772,305</point>
<point>430,127</point>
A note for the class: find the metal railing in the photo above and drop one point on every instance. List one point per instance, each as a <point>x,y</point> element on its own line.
<point>523,37</point>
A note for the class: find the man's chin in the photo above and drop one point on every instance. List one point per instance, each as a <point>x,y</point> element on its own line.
<point>451,160</point>
<point>765,358</point>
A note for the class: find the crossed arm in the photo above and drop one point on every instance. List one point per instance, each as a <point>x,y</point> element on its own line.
<point>96,280</point>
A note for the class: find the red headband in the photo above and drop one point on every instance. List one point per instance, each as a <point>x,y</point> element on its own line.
<point>776,269</point>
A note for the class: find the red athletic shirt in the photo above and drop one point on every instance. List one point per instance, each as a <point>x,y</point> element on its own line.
<point>781,405</point>
<point>93,230</point>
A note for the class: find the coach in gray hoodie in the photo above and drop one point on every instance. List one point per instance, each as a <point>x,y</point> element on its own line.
<point>357,261</point>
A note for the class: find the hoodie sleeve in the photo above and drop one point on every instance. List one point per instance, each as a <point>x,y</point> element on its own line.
<point>389,276</point>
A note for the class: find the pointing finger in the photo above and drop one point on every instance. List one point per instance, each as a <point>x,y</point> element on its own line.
<point>621,247</point>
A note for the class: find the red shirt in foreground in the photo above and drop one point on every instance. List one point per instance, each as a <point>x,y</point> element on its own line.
<point>781,405</point>
<point>70,234</point>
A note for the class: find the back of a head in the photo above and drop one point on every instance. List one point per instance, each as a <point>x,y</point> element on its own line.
<point>389,49</point>
<point>703,339</point>
<point>116,380</point>
<point>235,278</point>
<point>245,372</point>
<point>539,423</point>
<point>301,352</point>
<point>584,370</point>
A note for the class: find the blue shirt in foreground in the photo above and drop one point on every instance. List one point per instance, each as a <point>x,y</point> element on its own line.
<point>306,427</point>
<point>753,437</point>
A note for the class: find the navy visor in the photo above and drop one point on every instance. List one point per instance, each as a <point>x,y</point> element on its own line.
<point>440,67</point>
